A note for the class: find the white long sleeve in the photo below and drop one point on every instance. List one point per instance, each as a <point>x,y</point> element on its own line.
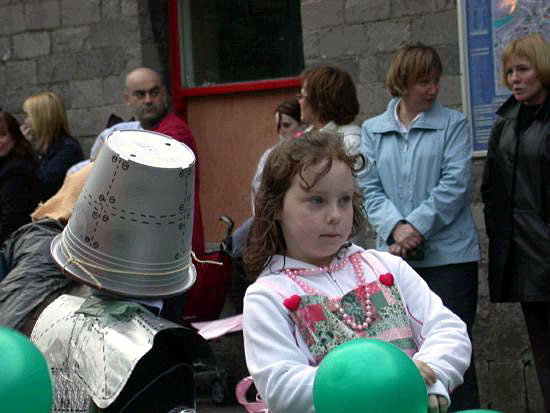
<point>280,362</point>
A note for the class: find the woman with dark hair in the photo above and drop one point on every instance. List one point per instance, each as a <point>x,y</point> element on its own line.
<point>417,189</point>
<point>287,119</point>
<point>516,193</point>
<point>18,177</point>
<point>46,127</point>
<point>328,103</point>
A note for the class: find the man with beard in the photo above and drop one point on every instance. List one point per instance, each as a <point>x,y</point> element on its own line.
<point>146,95</point>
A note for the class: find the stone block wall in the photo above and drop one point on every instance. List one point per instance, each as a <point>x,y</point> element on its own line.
<point>361,37</point>
<point>81,50</point>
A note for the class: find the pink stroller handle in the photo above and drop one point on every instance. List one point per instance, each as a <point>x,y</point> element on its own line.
<point>251,407</point>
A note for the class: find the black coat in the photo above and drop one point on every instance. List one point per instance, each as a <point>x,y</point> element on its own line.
<point>59,157</point>
<point>18,193</point>
<point>516,193</point>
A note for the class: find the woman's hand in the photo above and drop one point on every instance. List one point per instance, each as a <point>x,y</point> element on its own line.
<point>407,236</point>
<point>437,404</point>
<point>398,250</point>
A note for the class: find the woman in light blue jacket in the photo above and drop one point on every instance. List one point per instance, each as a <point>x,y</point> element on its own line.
<point>417,188</point>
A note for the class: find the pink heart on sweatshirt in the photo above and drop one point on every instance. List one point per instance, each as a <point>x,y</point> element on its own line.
<point>386,279</point>
<point>293,302</point>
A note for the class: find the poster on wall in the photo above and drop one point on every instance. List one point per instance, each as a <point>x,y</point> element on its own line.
<point>486,27</point>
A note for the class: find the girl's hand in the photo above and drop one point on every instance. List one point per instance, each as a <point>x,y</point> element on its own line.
<point>437,404</point>
<point>427,373</point>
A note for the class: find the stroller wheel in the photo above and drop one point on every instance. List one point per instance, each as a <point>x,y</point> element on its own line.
<point>218,392</point>
<point>231,385</point>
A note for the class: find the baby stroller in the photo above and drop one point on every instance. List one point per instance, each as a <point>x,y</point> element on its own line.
<point>205,300</point>
<point>232,284</point>
<point>204,303</point>
<point>243,391</point>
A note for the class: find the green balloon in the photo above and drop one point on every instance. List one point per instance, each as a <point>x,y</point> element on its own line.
<point>369,376</point>
<point>25,380</point>
<point>479,411</point>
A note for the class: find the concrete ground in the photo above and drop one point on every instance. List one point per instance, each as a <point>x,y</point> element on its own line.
<point>206,406</point>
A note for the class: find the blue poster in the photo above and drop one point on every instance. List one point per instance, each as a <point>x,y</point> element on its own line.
<point>490,26</point>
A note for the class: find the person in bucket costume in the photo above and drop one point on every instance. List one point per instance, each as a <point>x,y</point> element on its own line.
<point>129,239</point>
<point>314,290</point>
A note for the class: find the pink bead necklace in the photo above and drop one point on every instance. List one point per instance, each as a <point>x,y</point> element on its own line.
<point>362,289</point>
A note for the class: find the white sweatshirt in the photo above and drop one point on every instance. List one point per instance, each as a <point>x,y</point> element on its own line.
<point>282,365</point>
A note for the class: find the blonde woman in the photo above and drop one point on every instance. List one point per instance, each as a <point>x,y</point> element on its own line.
<point>516,193</point>
<point>46,126</point>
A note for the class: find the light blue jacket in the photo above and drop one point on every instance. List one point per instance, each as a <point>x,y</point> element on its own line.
<point>423,177</point>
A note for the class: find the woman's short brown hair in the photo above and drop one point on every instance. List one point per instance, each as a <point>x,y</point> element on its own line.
<point>331,94</point>
<point>48,117</point>
<point>290,158</point>
<point>533,48</point>
<point>412,62</point>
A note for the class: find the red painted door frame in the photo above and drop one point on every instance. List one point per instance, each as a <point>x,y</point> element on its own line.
<point>181,94</point>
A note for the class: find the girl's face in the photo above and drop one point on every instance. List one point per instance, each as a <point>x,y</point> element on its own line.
<point>316,223</point>
<point>287,125</point>
<point>524,82</point>
<point>422,94</point>
<point>6,142</point>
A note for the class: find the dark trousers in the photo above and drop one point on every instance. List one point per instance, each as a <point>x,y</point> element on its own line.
<point>537,318</point>
<point>456,285</point>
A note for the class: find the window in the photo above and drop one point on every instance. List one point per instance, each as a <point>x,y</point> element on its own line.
<point>239,41</point>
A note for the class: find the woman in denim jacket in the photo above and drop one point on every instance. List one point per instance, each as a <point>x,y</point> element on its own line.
<point>417,188</point>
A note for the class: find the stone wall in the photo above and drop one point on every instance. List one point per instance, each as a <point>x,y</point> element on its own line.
<point>361,36</point>
<point>81,50</point>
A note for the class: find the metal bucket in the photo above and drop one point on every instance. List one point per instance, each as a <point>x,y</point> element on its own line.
<point>131,228</point>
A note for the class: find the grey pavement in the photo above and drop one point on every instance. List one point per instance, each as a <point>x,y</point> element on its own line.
<point>206,406</point>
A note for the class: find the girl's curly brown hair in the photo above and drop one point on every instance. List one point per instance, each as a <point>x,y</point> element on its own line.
<point>291,157</point>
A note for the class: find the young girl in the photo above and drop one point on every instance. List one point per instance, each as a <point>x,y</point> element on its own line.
<point>315,290</point>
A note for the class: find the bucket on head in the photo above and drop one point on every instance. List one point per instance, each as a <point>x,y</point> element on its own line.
<point>130,230</point>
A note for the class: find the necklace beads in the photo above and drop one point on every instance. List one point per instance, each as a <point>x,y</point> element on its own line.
<point>362,289</point>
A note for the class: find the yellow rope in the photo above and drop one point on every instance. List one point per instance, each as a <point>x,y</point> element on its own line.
<point>205,261</point>
<point>81,263</point>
